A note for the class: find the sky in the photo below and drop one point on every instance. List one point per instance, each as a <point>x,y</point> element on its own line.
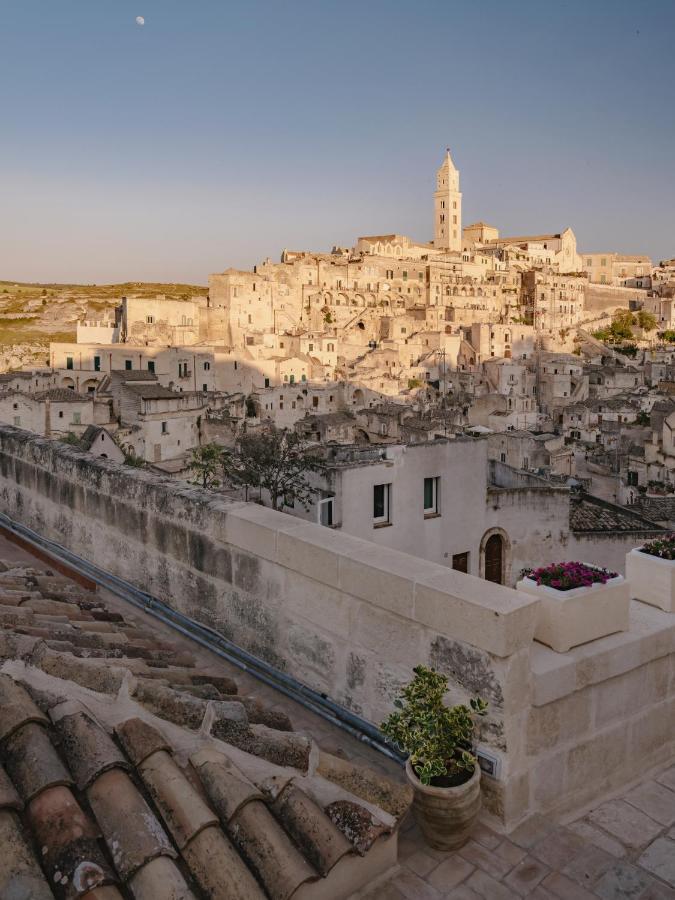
<point>220,132</point>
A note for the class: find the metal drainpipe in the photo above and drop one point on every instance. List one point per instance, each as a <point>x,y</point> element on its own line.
<point>307,697</point>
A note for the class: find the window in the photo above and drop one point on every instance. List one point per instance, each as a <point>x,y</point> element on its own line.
<point>97,364</point>
<point>151,366</point>
<point>60,414</point>
<point>69,362</point>
<point>165,427</point>
<point>315,401</point>
<point>460,562</point>
<point>502,457</point>
<point>267,382</point>
<point>207,366</point>
<point>150,319</point>
<point>127,365</point>
<point>326,512</point>
<point>431,496</point>
<point>205,388</point>
<point>17,421</point>
<point>77,418</point>
<point>381,504</point>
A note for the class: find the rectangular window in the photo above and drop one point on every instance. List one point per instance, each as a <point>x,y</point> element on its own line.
<point>149,320</point>
<point>127,365</point>
<point>69,362</point>
<point>165,427</point>
<point>151,366</point>
<point>77,418</point>
<point>326,512</point>
<point>267,382</point>
<point>381,504</point>
<point>97,364</point>
<point>315,401</point>
<point>431,496</point>
<point>17,421</point>
<point>205,388</point>
<point>460,562</point>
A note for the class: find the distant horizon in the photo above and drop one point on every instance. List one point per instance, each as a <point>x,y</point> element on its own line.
<point>217,137</point>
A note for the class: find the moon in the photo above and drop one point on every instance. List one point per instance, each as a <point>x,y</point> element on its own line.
<point>140,20</point>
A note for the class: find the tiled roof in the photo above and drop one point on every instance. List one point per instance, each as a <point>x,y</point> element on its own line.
<point>588,513</point>
<point>62,395</point>
<point>658,509</point>
<point>128,771</point>
<point>133,375</point>
<point>152,391</point>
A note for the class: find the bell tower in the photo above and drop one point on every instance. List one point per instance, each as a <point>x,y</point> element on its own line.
<point>447,207</point>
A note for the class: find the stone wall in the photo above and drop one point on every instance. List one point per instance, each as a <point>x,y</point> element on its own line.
<point>340,614</point>
<point>351,619</point>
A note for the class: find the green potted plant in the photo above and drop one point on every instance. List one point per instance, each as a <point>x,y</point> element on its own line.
<point>442,767</point>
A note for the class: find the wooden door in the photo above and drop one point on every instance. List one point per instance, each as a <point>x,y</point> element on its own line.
<point>494,557</point>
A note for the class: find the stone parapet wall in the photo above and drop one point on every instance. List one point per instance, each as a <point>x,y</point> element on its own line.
<point>345,617</point>
<point>351,619</point>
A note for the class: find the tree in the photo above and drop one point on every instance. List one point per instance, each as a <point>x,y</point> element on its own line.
<point>274,460</point>
<point>646,320</point>
<point>205,464</point>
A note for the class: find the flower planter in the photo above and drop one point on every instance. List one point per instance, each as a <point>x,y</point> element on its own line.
<point>569,618</point>
<point>445,815</point>
<point>652,579</point>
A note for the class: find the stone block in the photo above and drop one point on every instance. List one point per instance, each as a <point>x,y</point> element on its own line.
<point>588,866</point>
<point>651,734</point>
<point>450,873</point>
<point>548,781</point>
<point>314,551</point>
<point>629,825</point>
<point>592,835</point>
<point>394,637</point>
<point>486,615</point>
<point>526,876</point>
<point>623,881</point>
<point>659,858</point>
<point>637,689</point>
<point>655,800</point>
<point>553,674</point>
<point>383,577</point>
<point>591,763</point>
<point>558,722</point>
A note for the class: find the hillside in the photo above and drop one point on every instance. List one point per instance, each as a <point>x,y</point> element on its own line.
<point>32,315</point>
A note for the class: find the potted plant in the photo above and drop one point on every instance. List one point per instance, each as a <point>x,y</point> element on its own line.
<point>651,572</point>
<point>579,603</point>
<point>442,767</point>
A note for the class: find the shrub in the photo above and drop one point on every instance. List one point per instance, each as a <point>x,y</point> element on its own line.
<point>663,547</point>
<point>568,575</point>
<point>437,738</point>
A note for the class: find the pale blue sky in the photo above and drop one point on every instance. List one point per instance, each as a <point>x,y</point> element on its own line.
<point>221,132</point>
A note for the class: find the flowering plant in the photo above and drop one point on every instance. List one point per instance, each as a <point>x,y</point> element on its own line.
<point>663,547</point>
<point>568,575</point>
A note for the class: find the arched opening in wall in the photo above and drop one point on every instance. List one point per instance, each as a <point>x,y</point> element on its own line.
<point>357,397</point>
<point>68,382</point>
<point>495,563</point>
<point>361,436</point>
<point>360,325</point>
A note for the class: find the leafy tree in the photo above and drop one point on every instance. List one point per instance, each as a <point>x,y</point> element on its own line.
<point>668,336</point>
<point>205,465</point>
<point>646,320</point>
<point>274,460</point>
<point>643,418</point>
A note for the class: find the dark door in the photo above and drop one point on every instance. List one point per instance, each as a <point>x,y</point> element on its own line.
<point>494,551</point>
<point>460,562</point>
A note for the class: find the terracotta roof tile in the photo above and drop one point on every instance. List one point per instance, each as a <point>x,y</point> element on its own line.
<point>16,708</point>
<point>68,840</point>
<point>20,874</point>
<point>115,809</point>
<point>31,761</point>
<point>131,830</point>
<point>88,748</point>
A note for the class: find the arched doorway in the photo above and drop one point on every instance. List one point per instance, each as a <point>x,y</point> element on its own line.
<point>495,563</point>
<point>494,558</point>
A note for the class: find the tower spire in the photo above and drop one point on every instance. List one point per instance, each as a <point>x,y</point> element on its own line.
<point>448,207</point>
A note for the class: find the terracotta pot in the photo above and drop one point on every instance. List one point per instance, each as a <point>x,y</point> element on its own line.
<point>445,815</point>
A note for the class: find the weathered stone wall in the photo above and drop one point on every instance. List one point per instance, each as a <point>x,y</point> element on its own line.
<point>338,613</point>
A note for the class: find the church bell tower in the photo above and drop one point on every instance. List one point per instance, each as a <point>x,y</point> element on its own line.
<point>448,208</point>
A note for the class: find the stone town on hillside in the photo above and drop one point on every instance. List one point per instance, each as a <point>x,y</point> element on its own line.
<point>193,674</point>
